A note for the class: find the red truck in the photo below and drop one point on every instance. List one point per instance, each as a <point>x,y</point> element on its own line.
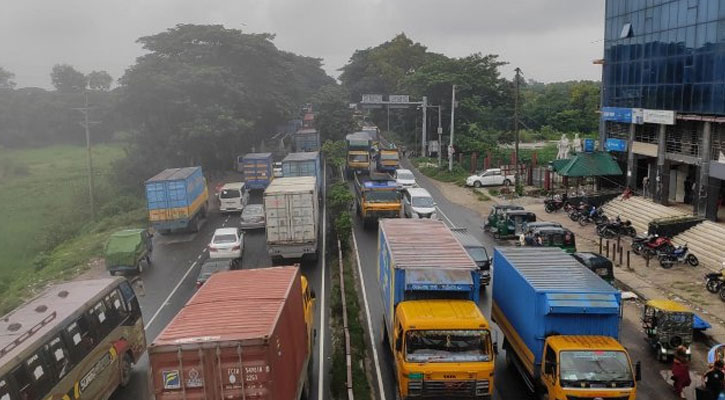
<point>244,335</point>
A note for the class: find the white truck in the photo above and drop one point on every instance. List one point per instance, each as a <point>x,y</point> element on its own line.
<point>291,210</point>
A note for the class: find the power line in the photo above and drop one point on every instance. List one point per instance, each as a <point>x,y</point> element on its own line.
<point>87,124</point>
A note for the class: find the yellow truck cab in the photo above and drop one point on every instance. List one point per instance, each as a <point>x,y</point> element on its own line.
<point>443,347</point>
<point>377,196</point>
<point>358,147</point>
<point>308,304</point>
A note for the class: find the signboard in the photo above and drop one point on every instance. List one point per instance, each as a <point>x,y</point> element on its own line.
<point>588,145</point>
<point>617,114</point>
<point>372,98</point>
<point>619,145</point>
<point>663,117</point>
<point>399,98</point>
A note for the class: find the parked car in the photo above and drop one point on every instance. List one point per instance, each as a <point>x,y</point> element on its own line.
<point>127,251</point>
<point>226,243</point>
<point>418,203</point>
<point>277,170</point>
<point>477,251</point>
<point>211,266</point>
<point>405,179</point>
<point>597,264</point>
<point>489,177</point>
<point>233,197</point>
<point>252,217</point>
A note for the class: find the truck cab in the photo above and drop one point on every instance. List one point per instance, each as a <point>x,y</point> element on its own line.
<point>308,306</point>
<point>575,367</point>
<point>377,196</point>
<point>387,160</point>
<point>358,147</point>
<point>442,348</point>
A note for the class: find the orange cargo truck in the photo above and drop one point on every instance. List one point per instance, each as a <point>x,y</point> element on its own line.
<point>244,335</point>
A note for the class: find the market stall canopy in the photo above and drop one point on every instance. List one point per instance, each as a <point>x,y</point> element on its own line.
<point>587,164</point>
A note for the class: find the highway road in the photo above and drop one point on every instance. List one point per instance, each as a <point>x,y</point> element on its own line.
<point>508,385</point>
<point>171,281</point>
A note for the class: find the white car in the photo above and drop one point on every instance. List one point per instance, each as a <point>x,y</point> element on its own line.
<point>404,178</point>
<point>418,203</point>
<point>226,243</point>
<point>277,170</point>
<point>489,177</point>
<point>233,197</point>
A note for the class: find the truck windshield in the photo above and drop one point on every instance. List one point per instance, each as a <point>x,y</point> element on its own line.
<point>477,253</point>
<point>382,196</point>
<point>358,157</point>
<point>579,368</point>
<point>448,346</point>
<point>389,156</point>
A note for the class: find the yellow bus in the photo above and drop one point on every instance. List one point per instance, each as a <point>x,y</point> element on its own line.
<point>75,340</point>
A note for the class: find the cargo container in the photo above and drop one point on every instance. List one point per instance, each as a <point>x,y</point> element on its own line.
<point>244,334</point>
<point>430,289</point>
<point>177,199</point>
<point>561,323</point>
<point>257,170</point>
<point>303,164</point>
<point>291,211</point>
<point>306,140</point>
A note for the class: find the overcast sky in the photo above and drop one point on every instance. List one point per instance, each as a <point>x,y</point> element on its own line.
<point>550,40</point>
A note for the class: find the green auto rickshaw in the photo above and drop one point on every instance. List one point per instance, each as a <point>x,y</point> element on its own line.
<point>512,223</point>
<point>128,250</point>
<point>552,237</point>
<point>668,325</point>
<point>497,212</point>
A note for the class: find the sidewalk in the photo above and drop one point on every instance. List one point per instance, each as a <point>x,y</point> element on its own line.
<point>681,283</point>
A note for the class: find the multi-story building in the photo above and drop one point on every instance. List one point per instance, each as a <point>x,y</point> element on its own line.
<point>664,98</point>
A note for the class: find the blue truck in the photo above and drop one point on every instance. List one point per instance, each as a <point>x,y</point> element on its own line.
<point>177,199</point>
<point>307,139</point>
<point>440,340</point>
<point>303,164</point>
<point>257,170</point>
<point>561,323</point>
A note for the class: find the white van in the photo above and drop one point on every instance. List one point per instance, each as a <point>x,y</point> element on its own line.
<point>418,203</point>
<point>233,197</point>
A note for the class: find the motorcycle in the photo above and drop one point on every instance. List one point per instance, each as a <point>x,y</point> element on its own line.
<point>575,212</point>
<point>556,203</point>
<point>681,254</point>
<point>616,228</point>
<point>714,281</point>
<point>658,244</point>
<point>595,215</point>
<point>722,293</point>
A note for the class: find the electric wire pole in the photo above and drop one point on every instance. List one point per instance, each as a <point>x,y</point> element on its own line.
<point>516,127</point>
<point>453,118</point>
<point>86,124</point>
<point>424,138</point>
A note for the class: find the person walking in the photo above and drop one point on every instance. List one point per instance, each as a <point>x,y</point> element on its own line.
<point>645,186</point>
<point>680,372</point>
<point>715,380</point>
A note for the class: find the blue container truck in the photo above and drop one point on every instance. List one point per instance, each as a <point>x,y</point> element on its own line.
<point>257,170</point>
<point>561,324</point>
<point>440,340</point>
<point>177,199</point>
<point>306,140</point>
<point>303,164</point>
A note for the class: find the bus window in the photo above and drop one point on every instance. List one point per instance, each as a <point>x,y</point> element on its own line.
<point>115,302</point>
<point>129,296</point>
<point>60,358</point>
<point>100,318</point>
<point>38,369</point>
<point>81,339</point>
<point>111,312</point>
<point>6,392</point>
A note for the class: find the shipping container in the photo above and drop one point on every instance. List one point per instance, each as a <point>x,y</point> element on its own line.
<point>243,335</point>
<point>177,199</point>
<point>257,169</point>
<point>421,259</point>
<point>306,140</point>
<point>291,213</point>
<point>303,164</point>
<point>544,298</point>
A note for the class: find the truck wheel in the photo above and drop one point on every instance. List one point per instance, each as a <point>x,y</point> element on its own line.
<point>384,339</point>
<point>306,389</point>
<point>125,370</point>
<point>204,211</point>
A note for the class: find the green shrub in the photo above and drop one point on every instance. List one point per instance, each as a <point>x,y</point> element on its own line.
<point>343,227</point>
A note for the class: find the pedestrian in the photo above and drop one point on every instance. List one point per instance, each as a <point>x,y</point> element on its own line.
<point>680,372</point>
<point>715,380</point>
<point>645,186</point>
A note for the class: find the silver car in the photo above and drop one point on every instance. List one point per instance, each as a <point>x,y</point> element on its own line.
<point>252,217</point>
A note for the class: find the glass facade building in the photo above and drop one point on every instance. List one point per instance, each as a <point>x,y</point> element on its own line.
<point>665,55</point>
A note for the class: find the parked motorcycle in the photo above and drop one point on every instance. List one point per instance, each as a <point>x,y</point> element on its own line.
<point>556,203</point>
<point>658,244</point>
<point>722,293</point>
<point>595,215</point>
<point>616,228</point>
<point>681,254</point>
<point>575,212</point>
<point>714,281</point>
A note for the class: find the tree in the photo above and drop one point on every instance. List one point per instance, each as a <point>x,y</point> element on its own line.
<point>67,79</point>
<point>99,80</point>
<point>334,117</point>
<point>6,79</point>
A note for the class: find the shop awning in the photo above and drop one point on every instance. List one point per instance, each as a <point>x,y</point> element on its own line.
<point>587,164</point>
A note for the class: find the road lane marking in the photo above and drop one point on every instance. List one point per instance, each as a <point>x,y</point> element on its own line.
<point>183,278</point>
<point>367,314</point>
<point>446,217</point>
<point>321,343</point>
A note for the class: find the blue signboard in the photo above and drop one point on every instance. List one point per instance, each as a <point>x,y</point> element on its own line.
<point>617,114</point>
<point>619,145</point>
<point>588,145</point>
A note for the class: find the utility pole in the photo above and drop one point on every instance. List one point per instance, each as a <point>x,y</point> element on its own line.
<point>453,119</point>
<point>424,137</point>
<point>388,107</point>
<point>86,124</point>
<point>516,127</point>
<point>440,138</point>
